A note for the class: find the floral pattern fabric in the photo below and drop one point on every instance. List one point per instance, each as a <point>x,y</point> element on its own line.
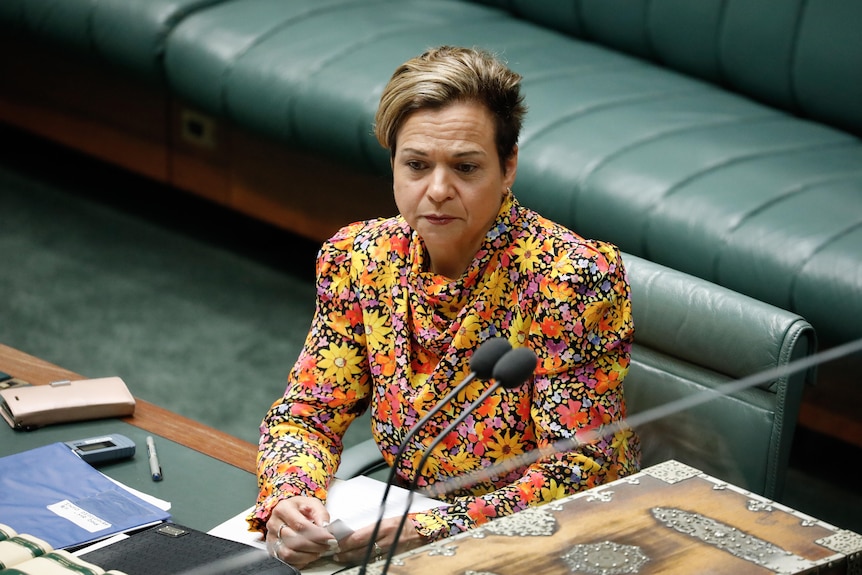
<point>389,336</point>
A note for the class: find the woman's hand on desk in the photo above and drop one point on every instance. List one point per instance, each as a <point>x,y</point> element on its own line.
<point>296,532</point>
<point>352,549</point>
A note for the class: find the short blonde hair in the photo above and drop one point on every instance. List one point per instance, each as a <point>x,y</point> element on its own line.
<point>449,74</point>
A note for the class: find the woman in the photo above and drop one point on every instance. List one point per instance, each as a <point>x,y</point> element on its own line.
<point>402,303</point>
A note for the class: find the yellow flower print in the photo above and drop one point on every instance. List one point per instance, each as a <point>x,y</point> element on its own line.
<point>467,336</point>
<point>526,252</point>
<point>520,328</point>
<point>339,322</point>
<point>560,291</point>
<point>553,491</point>
<point>358,260</point>
<point>339,283</point>
<point>461,461</point>
<point>496,282</point>
<point>563,263</point>
<point>377,330</point>
<point>340,363</point>
<point>622,439</point>
<point>620,313</point>
<point>306,461</point>
<point>432,465</point>
<point>430,521</point>
<point>379,251</point>
<point>595,313</point>
<point>504,445</point>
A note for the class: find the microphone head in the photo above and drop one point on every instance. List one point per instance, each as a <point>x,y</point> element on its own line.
<point>515,367</point>
<point>487,355</point>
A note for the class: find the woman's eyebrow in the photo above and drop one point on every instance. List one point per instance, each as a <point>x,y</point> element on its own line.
<point>423,153</point>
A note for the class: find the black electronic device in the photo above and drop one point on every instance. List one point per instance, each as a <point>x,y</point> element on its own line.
<point>103,448</point>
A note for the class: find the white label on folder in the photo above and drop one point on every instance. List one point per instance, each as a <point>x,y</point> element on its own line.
<point>80,517</point>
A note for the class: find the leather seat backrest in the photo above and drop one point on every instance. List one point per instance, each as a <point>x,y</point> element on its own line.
<point>691,338</point>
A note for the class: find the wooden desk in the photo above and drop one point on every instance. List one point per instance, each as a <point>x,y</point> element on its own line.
<point>147,416</point>
<point>208,475</point>
<point>203,490</point>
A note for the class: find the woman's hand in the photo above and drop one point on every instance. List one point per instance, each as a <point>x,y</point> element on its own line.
<point>352,549</point>
<point>296,531</point>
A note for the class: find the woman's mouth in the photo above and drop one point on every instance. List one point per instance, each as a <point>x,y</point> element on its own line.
<point>438,219</point>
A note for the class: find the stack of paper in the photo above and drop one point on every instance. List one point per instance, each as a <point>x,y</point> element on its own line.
<point>51,493</point>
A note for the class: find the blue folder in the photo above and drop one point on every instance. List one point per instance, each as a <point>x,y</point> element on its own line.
<point>51,493</point>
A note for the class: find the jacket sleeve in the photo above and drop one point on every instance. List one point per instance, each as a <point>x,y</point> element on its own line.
<point>300,442</point>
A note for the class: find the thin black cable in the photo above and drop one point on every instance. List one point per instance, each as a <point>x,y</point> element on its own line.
<point>512,370</point>
<point>458,421</point>
<point>482,364</point>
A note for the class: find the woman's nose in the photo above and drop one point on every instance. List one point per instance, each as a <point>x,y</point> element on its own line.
<point>440,186</point>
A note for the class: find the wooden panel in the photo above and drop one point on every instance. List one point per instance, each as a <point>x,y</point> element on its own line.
<point>144,156</point>
<point>306,194</point>
<point>296,191</point>
<point>147,416</point>
<point>199,159</point>
<point>831,406</point>
<point>84,103</point>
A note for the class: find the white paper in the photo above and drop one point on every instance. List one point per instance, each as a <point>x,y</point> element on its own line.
<point>356,502</point>
<point>152,500</point>
<point>100,544</point>
<point>80,517</point>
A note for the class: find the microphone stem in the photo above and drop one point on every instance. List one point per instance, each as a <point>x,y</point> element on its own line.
<point>399,456</point>
<point>413,483</point>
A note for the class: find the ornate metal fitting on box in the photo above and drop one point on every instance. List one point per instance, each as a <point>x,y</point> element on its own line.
<point>755,505</point>
<point>849,544</point>
<point>443,550</point>
<point>531,522</point>
<point>605,558</point>
<point>672,471</point>
<point>600,495</point>
<point>732,540</point>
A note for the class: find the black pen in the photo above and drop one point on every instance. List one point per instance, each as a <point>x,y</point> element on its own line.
<point>155,466</point>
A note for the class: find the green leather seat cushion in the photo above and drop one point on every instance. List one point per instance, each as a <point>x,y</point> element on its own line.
<point>667,166</point>
<point>128,33</point>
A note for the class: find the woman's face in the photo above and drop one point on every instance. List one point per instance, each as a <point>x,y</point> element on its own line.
<point>448,181</point>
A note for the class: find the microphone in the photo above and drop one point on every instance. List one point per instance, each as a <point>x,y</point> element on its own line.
<point>512,370</point>
<point>482,365</point>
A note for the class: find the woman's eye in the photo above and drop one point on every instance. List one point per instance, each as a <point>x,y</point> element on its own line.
<point>415,165</point>
<point>466,168</point>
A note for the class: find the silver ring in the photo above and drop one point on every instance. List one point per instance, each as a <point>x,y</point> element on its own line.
<point>378,552</point>
<point>278,542</point>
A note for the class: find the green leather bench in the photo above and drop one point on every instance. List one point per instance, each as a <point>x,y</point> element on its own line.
<point>128,34</point>
<point>718,137</point>
<point>691,338</point>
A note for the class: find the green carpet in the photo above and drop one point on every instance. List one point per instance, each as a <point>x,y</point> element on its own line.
<point>197,309</point>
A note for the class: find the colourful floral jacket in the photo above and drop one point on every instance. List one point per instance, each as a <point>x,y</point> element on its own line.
<point>391,337</point>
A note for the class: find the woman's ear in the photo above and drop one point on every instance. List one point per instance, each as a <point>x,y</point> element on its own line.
<point>511,167</point>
